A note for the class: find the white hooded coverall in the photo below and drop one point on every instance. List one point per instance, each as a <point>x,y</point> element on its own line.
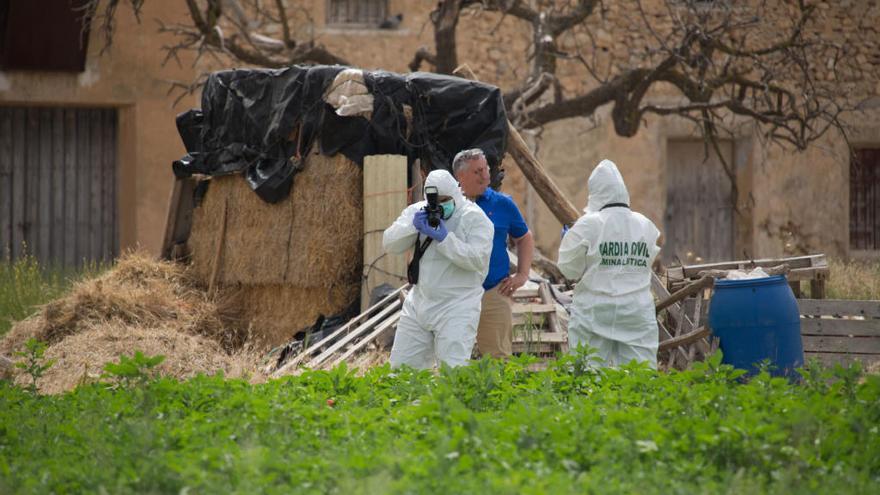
<point>440,314</point>
<point>611,249</point>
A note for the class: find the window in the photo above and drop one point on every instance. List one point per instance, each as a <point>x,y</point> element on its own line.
<point>43,35</point>
<point>356,13</point>
<point>864,199</point>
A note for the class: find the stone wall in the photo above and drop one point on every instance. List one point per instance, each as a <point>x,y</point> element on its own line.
<point>798,201</point>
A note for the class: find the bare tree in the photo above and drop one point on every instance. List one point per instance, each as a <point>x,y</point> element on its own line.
<point>718,63</point>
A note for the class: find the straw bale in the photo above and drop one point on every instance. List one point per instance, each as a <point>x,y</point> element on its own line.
<point>311,239</point>
<point>275,312</point>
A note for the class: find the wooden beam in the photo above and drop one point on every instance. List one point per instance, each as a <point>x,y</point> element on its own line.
<point>832,358</point>
<point>838,307</point>
<point>179,219</point>
<point>535,308</point>
<point>693,288</point>
<point>384,198</point>
<point>531,168</point>
<point>839,326</point>
<point>851,345</point>
<point>685,339</point>
<point>547,337</point>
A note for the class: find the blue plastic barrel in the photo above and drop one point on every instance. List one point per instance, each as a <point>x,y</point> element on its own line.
<point>757,320</point>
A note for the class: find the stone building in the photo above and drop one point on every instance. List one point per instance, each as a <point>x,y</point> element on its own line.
<point>782,202</point>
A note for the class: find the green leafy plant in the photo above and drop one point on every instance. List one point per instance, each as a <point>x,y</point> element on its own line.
<point>490,427</point>
<point>33,363</point>
<point>135,370</point>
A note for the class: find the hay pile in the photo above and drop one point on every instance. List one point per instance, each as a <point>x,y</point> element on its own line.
<point>141,304</point>
<point>283,264</point>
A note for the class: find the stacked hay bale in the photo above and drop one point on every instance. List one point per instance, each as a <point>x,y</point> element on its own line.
<point>281,265</point>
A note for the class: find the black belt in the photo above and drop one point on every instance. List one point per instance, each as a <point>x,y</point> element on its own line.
<point>615,205</point>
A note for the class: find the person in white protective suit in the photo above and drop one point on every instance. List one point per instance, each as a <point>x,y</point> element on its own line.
<point>611,249</point>
<point>440,314</point>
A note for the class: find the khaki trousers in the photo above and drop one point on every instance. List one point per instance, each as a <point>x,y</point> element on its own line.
<point>495,330</point>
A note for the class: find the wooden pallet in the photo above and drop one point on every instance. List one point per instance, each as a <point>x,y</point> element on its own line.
<point>841,331</point>
<point>353,337</point>
<point>812,268</point>
<point>681,320</point>
<point>536,326</point>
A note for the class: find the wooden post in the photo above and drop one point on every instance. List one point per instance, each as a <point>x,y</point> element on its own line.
<point>384,198</point>
<point>796,288</point>
<point>180,212</point>
<point>532,169</point>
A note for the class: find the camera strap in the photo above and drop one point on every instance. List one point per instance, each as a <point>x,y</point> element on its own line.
<point>412,271</point>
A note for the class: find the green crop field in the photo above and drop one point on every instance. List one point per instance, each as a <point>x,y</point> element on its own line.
<point>492,427</point>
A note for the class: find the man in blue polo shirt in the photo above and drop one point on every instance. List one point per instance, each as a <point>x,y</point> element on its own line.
<point>495,331</point>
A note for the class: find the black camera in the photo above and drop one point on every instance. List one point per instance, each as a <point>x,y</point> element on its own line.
<point>433,208</point>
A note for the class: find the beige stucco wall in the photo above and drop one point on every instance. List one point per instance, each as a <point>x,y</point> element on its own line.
<point>131,78</point>
<point>800,199</point>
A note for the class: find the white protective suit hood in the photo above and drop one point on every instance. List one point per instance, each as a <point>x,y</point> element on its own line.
<point>440,314</point>
<point>606,187</point>
<point>611,251</point>
<point>446,186</point>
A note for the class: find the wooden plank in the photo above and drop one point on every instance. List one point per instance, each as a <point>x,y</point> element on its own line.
<point>859,345</point>
<point>686,291</point>
<point>180,213</point>
<point>553,318</point>
<point>813,260</point>
<point>96,181</point>
<point>551,337</point>
<point>839,307</point>
<point>83,189</point>
<point>794,276</point>
<point>540,320</point>
<point>360,345</point>
<point>70,187</point>
<point>108,187</point>
<point>57,157</point>
<point>45,199</point>
<point>32,204</point>
<point>6,169</point>
<point>683,340</point>
<point>817,289</point>
<point>523,293</point>
<point>698,220</point>
<point>369,324</point>
<point>534,308</point>
<point>845,359</point>
<point>827,326</point>
<point>354,323</point>
<point>534,348</point>
<point>384,190</point>
<point>19,122</point>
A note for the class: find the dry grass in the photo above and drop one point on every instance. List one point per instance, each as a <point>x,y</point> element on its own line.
<point>853,279</point>
<point>140,304</point>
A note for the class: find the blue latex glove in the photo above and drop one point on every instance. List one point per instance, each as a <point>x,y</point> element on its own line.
<point>564,230</point>
<point>420,222</point>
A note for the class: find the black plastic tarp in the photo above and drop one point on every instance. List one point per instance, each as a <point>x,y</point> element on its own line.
<point>258,121</point>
